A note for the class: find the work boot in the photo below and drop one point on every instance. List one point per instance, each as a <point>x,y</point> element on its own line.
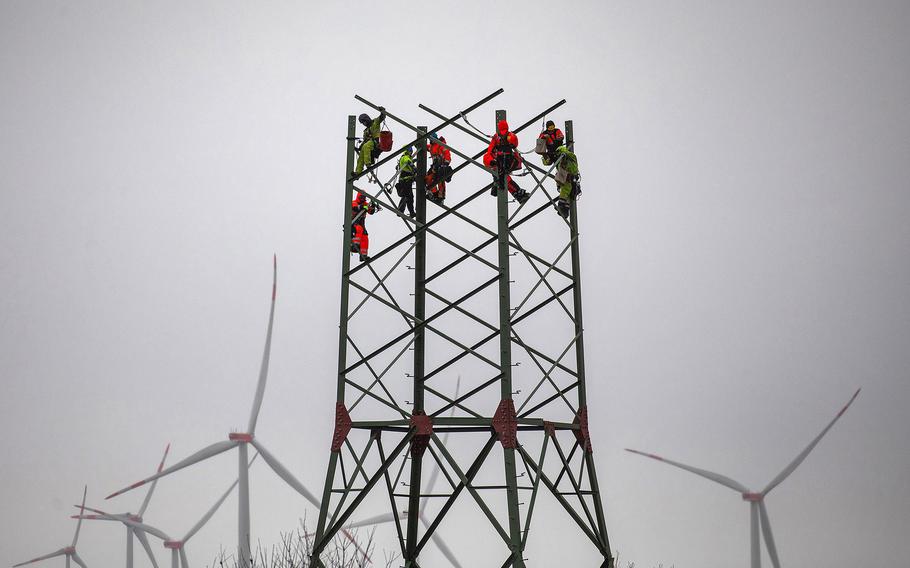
<point>521,196</point>
<point>562,207</point>
<point>364,258</point>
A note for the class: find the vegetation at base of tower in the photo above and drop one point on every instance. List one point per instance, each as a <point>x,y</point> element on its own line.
<point>296,547</point>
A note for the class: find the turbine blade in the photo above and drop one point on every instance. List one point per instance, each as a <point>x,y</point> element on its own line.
<point>434,475</point>
<point>100,514</point>
<point>79,522</point>
<point>148,496</point>
<point>441,545</point>
<point>284,474</point>
<point>208,515</point>
<point>144,541</point>
<point>136,525</point>
<point>716,477</point>
<point>183,561</point>
<point>799,459</point>
<point>202,454</point>
<point>377,520</point>
<point>60,552</point>
<point>264,368</point>
<point>769,536</point>
<point>78,560</point>
<point>94,517</point>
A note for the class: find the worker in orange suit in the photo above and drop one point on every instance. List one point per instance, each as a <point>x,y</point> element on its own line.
<point>502,157</point>
<point>440,170</point>
<point>360,238</point>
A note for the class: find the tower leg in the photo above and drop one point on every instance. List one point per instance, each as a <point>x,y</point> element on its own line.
<point>420,269</point>
<point>505,358</point>
<point>580,360</point>
<point>315,562</point>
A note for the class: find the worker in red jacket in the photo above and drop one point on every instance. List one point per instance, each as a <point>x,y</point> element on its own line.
<point>553,138</point>
<point>360,238</point>
<point>502,157</point>
<point>440,170</point>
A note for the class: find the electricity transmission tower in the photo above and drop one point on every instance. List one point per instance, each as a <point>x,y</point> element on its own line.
<point>478,290</point>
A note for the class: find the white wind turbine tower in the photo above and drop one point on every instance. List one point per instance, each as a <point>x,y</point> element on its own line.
<point>241,440</point>
<point>136,517</point>
<point>758,511</point>
<point>177,547</point>
<point>68,551</point>
<point>403,515</point>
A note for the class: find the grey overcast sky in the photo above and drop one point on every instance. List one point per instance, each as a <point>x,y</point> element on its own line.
<point>745,247</point>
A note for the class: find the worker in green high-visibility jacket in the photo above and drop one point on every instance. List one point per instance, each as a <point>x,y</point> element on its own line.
<point>405,185</point>
<point>567,177</point>
<point>369,148</point>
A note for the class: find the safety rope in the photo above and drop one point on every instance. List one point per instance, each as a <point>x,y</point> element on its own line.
<point>391,183</point>
<point>481,132</point>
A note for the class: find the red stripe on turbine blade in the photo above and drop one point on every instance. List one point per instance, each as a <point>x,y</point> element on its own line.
<point>646,454</point>
<point>351,538</point>
<point>130,488</point>
<point>164,457</point>
<point>844,409</point>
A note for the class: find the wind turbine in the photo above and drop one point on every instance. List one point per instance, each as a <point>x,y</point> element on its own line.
<point>403,515</point>
<point>137,517</point>
<point>68,551</point>
<point>756,500</point>
<point>177,547</point>
<point>241,440</point>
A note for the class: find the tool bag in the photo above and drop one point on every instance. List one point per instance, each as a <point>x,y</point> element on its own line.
<point>541,147</point>
<point>562,176</point>
<point>385,140</point>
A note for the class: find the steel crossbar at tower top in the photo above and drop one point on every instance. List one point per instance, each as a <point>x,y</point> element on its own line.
<point>493,294</point>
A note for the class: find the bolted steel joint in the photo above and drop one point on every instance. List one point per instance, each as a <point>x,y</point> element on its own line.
<point>582,434</point>
<point>423,431</point>
<point>342,426</point>
<point>505,423</point>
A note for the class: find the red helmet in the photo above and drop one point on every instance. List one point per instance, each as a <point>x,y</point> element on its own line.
<point>502,127</point>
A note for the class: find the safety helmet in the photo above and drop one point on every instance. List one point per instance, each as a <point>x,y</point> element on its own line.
<point>364,119</point>
<point>502,127</point>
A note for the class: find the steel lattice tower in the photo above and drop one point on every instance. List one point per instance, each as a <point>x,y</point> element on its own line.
<point>393,322</point>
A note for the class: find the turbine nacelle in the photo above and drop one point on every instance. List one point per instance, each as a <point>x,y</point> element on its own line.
<point>241,437</point>
<point>69,550</point>
<point>174,544</point>
<point>753,497</point>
